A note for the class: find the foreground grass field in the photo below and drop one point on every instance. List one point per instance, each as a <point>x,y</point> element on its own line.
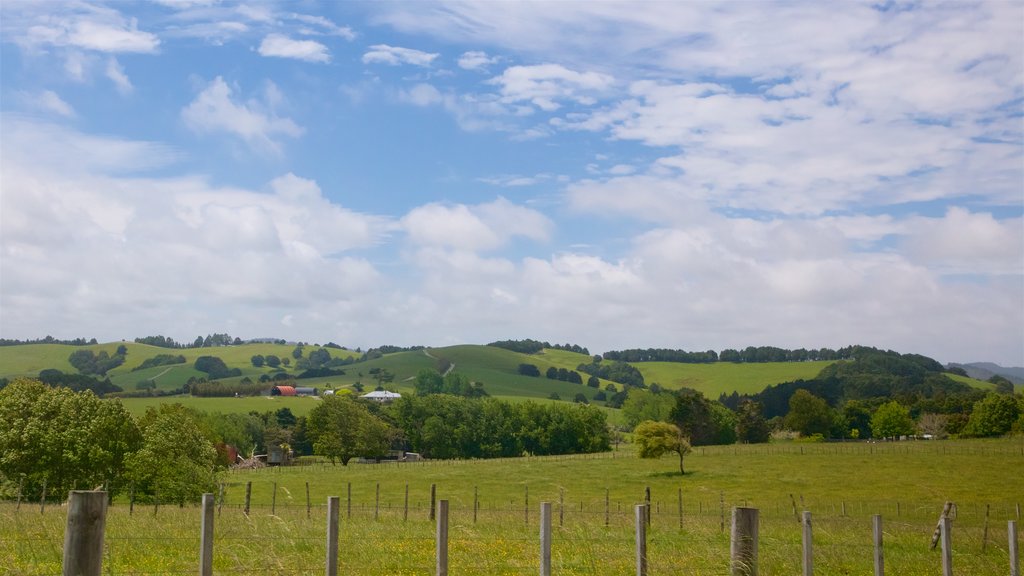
<point>841,484</point>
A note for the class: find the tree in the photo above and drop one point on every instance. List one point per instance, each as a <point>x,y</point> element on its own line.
<point>529,370</point>
<point>892,420</point>
<point>341,429</point>
<point>751,425</point>
<point>1002,384</point>
<point>551,373</point>
<point>933,425</point>
<point>273,361</point>
<point>655,439</point>
<point>993,415</point>
<point>594,382</point>
<point>808,414</point>
<point>177,461</point>
<point>642,405</point>
<point>258,360</point>
<point>69,440</point>
<point>701,421</point>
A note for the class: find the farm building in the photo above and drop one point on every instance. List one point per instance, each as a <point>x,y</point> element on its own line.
<point>293,391</point>
<point>382,396</point>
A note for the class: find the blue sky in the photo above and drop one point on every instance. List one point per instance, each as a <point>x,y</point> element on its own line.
<point>671,174</point>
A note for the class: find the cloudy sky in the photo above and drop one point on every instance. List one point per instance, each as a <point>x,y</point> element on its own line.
<point>687,175</point>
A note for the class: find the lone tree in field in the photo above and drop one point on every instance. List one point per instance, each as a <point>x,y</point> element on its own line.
<point>655,439</point>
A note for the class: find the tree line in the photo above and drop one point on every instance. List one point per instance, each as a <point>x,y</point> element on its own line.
<point>750,354</point>
<point>529,346</point>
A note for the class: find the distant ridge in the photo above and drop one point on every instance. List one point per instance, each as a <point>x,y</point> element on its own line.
<point>986,370</point>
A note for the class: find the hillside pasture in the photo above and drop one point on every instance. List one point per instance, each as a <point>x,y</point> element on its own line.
<point>299,405</point>
<point>907,483</point>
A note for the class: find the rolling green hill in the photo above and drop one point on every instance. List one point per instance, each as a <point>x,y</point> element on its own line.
<point>496,367</point>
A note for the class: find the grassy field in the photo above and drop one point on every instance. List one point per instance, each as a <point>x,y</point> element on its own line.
<point>905,482</point>
<point>727,377</point>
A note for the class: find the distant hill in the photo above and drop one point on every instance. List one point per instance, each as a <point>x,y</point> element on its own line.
<point>986,370</point>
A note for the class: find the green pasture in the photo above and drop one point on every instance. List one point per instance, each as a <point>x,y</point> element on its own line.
<point>299,405</point>
<point>495,512</point>
<point>727,377</point>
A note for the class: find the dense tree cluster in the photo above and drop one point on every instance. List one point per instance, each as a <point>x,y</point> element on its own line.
<point>617,371</point>
<point>529,370</point>
<point>160,360</point>
<point>430,382</point>
<point>662,355</point>
<point>159,341</point>
<point>49,340</point>
<point>529,346</point>
<point>563,375</point>
<point>215,367</point>
<point>444,426</point>
<point>78,382</point>
<point>89,362</point>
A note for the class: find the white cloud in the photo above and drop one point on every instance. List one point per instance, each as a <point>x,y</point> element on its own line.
<point>47,101</point>
<point>322,25</point>
<point>105,37</point>
<point>422,95</point>
<point>474,228</point>
<point>546,84</point>
<point>79,247</point>
<point>475,60</point>
<point>395,55</point>
<point>214,111</point>
<point>115,72</point>
<point>281,46</point>
<point>964,242</point>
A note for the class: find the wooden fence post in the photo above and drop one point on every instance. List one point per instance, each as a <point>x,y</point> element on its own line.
<point>1011,529</point>
<point>21,484</point>
<point>938,527</point>
<point>641,539</point>
<point>273,500</point>
<point>433,502</point>
<point>220,501</point>
<point>248,496</point>
<point>405,513</point>
<point>349,506</point>
<point>561,506</point>
<point>744,542</point>
<point>876,529</point>
<point>526,508</point>
<point>83,537</point>
<point>680,509</point>
<point>545,539</point>
<point>206,537</point>
<point>376,504</point>
<point>476,503</point>
<point>945,527</point>
<point>131,499</point>
<point>42,498</point>
<point>442,538</point>
<point>607,506</point>
<point>332,535</point>
<point>647,502</point>
<point>308,503</point>
<point>808,553</point>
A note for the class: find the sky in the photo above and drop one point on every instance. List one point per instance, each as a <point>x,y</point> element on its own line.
<point>694,175</point>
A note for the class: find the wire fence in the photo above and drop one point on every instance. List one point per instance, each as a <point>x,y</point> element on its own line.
<point>593,536</point>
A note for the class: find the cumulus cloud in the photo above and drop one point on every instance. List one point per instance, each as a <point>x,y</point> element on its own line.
<point>91,248</point>
<point>396,55</point>
<point>543,85</point>
<point>280,46</point>
<point>474,228</point>
<point>214,111</point>
<point>475,60</point>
